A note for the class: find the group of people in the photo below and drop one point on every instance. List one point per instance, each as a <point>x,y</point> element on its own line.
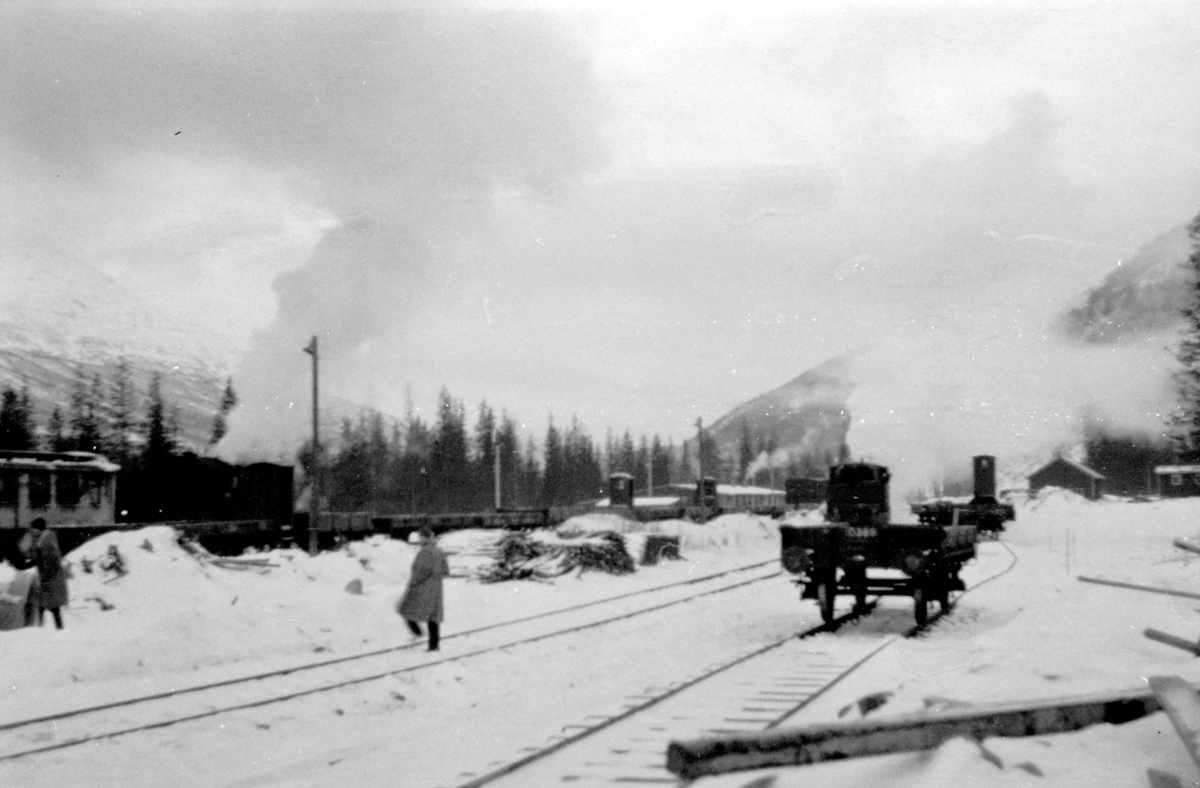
<point>39,549</point>
<point>422,602</point>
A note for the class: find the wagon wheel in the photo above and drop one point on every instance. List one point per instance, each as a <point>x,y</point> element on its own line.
<point>860,595</point>
<point>920,604</point>
<point>858,581</point>
<point>826,594</point>
<point>943,592</point>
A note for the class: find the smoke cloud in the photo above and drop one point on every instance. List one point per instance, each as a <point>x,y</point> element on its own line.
<point>638,219</point>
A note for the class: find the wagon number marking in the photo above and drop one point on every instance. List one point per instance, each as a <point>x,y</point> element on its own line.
<point>862,533</point>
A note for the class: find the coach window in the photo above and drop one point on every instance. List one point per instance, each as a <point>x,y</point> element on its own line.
<point>39,489</point>
<point>10,487</point>
<point>95,487</point>
<point>1177,479</point>
<point>68,488</point>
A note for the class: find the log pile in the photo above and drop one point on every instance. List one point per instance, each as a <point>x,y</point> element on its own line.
<point>240,563</point>
<point>518,557</point>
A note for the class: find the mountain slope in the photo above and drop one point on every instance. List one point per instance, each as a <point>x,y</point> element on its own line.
<point>60,317</point>
<point>1140,296</point>
<point>805,418</point>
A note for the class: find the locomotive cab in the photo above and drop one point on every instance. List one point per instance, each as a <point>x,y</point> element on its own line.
<point>858,494</point>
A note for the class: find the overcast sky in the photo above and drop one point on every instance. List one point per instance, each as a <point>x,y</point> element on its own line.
<point>637,214</point>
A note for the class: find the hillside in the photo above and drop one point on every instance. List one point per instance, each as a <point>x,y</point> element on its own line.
<point>1142,295</point>
<point>806,418</point>
<point>60,317</point>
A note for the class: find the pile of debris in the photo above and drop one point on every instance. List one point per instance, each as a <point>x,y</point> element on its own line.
<point>193,548</point>
<point>518,557</point>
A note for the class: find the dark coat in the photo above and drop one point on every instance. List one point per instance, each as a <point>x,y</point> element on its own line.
<point>47,556</point>
<point>422,600</point>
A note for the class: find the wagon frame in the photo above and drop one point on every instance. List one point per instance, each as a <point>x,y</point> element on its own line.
<point>835,559</point>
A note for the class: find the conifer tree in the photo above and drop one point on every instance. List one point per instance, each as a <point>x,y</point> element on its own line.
<point>121,405</point>
<point>221,420</point>
<point>85,414</point>
<point>1184,423</point>
<point>16,428</point>
<point>485,457</point>
<point>745,451</point>
<point>448,462</point>
<point>509,449</point>
<point>56,437</point>
<point>159,445</point>
<point>555,467</point>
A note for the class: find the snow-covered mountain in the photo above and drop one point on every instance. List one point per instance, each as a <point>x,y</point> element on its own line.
<point>805,419</point>
<point>61,317</point>
<point>1142,295</point>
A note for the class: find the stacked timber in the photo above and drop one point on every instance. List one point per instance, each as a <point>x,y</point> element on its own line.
<point>520,557</point>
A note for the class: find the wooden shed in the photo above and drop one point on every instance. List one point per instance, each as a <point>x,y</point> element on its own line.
<point>1177,481</point>
<point>1069,475</point>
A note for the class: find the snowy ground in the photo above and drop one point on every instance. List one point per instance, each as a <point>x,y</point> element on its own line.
<point>173,621</point>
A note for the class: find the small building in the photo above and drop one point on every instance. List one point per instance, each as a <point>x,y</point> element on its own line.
<point>1069,475</point>
<point>620,489</point>
<point>1177,481</point>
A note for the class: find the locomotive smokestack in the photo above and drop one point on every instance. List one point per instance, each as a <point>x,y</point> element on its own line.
<point>985,477</point>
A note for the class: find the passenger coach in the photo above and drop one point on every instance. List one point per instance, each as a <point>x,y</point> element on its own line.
<point>62,488</point>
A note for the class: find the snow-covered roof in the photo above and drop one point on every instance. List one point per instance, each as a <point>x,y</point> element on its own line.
<point>656,500</point>
<point>731,489</point>
<point>1165,469</point>
<point>1076,465</point>
<point>63,460</point>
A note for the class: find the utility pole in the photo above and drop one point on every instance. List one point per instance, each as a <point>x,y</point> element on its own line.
<point>496,468</point>
<point>650,474</point>
<point>314,506</point>
<point>700,450</point>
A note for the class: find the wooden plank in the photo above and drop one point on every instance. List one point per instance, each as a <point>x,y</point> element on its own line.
<point>1135,587</point>
<point>907,733</point>
<point>1179,701</point>
<point>1171,640</point>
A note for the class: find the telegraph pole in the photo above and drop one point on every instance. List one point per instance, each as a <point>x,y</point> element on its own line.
<point>496,469</point>
<point>650,474</point>
<point>314,506</point>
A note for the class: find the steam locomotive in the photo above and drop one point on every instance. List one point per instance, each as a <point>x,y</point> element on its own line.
<point>983,511</point>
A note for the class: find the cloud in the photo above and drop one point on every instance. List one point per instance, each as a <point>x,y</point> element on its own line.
<point>640,219</point>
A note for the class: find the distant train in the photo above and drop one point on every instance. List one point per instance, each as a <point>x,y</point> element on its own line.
<point>73,488</point>
<point>78,494</point>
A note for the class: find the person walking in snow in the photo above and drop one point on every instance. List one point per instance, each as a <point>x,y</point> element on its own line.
<point>52,580</point>
<point>422,600</point>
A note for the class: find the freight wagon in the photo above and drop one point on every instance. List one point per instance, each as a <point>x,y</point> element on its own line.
<point>859,553</point>
<point>983,511</point>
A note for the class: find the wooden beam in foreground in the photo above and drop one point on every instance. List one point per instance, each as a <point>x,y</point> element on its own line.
<point>908,733</point>
<point>1184,544</point>
<point>1136,587</point>
<point>1173,640</point>
<point>1179,701</point>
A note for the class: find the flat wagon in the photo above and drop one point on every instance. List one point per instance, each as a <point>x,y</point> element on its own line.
<point>859,553</point>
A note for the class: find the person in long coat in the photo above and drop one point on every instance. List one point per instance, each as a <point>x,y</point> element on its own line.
<point>422,600</point>
<point>52,580</point>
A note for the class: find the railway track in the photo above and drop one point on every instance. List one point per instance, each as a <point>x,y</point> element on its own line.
<point>125,716</point>
<point>755,691</point>
<point>769,692</point>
